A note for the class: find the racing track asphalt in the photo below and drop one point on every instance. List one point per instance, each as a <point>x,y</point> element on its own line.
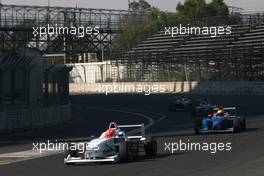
<point>245,159</point>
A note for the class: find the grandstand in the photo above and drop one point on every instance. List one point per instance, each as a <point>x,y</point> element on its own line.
<point>238,56</point>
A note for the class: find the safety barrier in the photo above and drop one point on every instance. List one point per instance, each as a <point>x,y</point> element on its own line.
<point>36,118</point>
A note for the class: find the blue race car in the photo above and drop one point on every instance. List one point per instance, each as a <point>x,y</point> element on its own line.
<point>221,120</point>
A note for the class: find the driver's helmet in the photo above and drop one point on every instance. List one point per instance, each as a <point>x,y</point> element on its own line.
<point>220,111</point>
<point>110,133</point>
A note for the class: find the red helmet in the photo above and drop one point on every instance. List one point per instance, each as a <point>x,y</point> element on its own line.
<point>110,132</point>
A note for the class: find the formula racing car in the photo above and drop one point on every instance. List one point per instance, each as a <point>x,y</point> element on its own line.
<point>180,103</point>
<point>114,145</point>
<point>221,120</point>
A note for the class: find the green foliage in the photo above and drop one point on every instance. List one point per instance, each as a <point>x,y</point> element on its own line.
<point>191,9</point>
<point>135,30</point>
<point>199,9</point>
<point>218,8</point>
<point>140,5</point>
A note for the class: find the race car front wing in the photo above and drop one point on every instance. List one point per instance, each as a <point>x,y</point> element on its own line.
<point>69,160</point>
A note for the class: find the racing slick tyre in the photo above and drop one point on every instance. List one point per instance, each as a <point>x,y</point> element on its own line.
<point>243,123</point>
<point>122,154</point>
<point>237,125</point>
<point>151,148</point>
<point>197,126</point>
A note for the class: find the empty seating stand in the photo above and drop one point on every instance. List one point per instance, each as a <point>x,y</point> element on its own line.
<point>160,45</point>
<point>173,54</point>
<point>252,42</point>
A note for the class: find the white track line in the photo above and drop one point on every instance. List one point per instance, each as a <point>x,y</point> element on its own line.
<point>7,158</point>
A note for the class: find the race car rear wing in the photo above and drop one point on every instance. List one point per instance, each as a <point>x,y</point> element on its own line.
<point>228,109</point>
<point>131,133</point>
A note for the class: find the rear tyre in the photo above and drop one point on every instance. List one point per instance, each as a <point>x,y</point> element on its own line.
<point>237,125</point>
<point>151,148</point>
<point>243,124</point>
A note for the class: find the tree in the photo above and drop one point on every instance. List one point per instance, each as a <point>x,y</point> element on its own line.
<point>218,8</point>
<point>199,8</point>
<point>141,5</point>
<point>192,9</point>
<point>190,12</point>
<point>135,30</point>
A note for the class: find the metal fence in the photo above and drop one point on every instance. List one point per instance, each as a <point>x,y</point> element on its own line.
<point>26,83</point>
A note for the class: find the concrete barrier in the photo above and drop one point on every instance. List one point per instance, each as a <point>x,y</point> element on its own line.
<point>202,87</point>
<point>35,118</point>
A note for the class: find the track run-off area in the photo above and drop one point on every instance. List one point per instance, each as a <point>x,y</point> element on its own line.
<point>92,114</point>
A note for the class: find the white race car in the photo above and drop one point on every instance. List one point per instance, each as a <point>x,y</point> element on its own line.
<point>114,145</point>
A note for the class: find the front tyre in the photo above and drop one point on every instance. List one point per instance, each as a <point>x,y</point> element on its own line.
<point>122,152</point>
<point>197,126</point>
